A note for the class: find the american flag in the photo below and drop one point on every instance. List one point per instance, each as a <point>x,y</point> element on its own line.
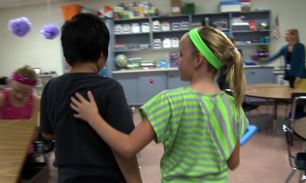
<point>276,31</point>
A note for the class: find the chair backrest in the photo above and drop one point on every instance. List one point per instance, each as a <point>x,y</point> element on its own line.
<point>298,100</point>
<point>229,91</point>
<point>246,106</point>
<point>289,141</point>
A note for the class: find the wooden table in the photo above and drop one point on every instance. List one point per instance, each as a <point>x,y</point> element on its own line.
<point>15,137</point>
<point>299,127</point>
<point>269,91</point>
<point>272,91</point>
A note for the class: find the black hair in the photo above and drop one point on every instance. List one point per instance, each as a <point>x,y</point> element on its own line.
<point>84,38</point>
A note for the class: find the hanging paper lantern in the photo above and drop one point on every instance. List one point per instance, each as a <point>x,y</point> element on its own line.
<point>49,31</point>
<point>19,26</point>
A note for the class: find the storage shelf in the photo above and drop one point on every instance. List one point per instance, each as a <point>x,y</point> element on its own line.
<point>251,12</point>
<point>164,49</point>
<point>131,50</point>
<point>210,15</point>
<point>169,17</point>
<point>129,34</point>
<point>250,31</point>
<point>253,44</point>
<point>170,31</point>
<point>147,49</point>
<point>126,71</point>
<point>241,34</point>
<point>132,19</point>
<point>140,84</point>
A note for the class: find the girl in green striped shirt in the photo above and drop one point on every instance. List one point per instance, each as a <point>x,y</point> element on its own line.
<point>199,125</point>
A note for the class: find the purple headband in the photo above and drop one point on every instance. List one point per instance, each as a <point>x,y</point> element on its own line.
<point>23,80</point>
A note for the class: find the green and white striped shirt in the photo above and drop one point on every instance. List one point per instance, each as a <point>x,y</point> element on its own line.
<point>198,131</point>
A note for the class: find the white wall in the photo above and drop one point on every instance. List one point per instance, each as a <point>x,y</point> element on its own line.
<point>36,51</point>
<point>31,49</point>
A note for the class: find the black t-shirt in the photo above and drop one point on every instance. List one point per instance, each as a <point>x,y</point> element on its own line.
<point>288,58</point>
<point>78,149</point>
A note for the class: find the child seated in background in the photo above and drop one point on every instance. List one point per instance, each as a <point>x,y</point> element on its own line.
<point>18,100</point>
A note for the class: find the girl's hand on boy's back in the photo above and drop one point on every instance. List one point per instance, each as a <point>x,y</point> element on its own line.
<point>86,110</point>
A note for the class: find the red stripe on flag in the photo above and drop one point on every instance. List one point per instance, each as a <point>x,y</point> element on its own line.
<point>276,31</point>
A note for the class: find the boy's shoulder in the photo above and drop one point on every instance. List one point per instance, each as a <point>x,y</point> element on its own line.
<point>82,77</point>
<point>75,82</point>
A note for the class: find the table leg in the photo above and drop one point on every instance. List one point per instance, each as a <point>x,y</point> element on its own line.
<point>275,109</point>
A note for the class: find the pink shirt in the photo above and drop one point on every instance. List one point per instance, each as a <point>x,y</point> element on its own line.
<point>9,111</point>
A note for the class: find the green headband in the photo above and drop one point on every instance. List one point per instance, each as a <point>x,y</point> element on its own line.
<point>203,49</point>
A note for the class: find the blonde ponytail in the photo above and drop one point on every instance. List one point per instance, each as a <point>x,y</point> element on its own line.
<point>227,52</point>
<point>235,78</point>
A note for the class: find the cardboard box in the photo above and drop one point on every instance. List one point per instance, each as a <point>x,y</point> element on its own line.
<point>176,7</point>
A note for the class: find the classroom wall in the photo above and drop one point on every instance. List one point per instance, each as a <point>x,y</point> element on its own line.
<point>37,51</point>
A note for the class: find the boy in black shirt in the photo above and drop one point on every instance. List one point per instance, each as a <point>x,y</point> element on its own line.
<point>80,154</point>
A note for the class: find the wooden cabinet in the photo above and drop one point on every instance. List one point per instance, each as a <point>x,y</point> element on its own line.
<point>150,84</point>
<point>257,74</point>
<point>129,83</point>
<point>140,86</point>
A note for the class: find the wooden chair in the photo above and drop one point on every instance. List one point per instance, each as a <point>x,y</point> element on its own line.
<point>246,106</point>
<point>298,101</point>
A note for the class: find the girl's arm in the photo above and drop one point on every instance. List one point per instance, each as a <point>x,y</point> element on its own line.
<point>234,159</point>
<point>275,56</point>
<point>125,145</point>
